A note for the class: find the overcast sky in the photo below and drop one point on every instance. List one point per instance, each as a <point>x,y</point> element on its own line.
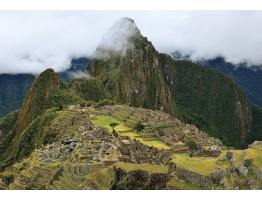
<point>33,41</point>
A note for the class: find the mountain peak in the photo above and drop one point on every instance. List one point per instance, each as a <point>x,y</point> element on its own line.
<point>118,39</point>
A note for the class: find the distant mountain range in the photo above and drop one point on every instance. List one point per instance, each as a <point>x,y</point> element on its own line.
<point>13,87</point>
<point>249,78</point>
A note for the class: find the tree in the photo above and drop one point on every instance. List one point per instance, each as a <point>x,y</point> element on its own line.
<point>192,145</point>
<point>139,126</point>
<point>113,125</point>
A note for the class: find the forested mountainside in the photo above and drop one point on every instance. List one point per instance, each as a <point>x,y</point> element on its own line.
<point>248,77</point>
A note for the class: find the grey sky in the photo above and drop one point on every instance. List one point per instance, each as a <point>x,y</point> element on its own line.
<point>33,41</point>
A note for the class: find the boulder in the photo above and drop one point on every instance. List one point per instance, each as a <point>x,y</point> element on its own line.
<point>218,175</point>
<point>229,156</point>
<point>241,170</point>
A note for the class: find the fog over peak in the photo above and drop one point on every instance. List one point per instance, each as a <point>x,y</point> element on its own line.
<point>33,41</point>
<point>117,39</point>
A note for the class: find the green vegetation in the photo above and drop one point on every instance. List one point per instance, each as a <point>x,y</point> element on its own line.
<point>210,100</point>
<point>102,179</point>
<point>105,121</point>
<point>139,126</point>
<point>192,145</point>
<point>146,167</point>
<point>47,91</point>
<point>202,165</point>
<point>37,133</point>
<point>7,125</point>
<point>197,95</point>
<point>89,89</point>
<point>104,102</point>
<point>180,185</point>
<point>255,153</point>
<point>139,83</point>
<point>256,133</point>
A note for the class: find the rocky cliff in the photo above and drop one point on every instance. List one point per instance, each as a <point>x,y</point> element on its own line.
<point>130,69</point>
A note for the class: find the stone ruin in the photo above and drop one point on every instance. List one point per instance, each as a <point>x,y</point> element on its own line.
<point>200,151</point>
<point>60,150</point>
<point>133,151</point>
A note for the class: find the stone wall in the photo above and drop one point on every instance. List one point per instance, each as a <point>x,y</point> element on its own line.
<point>136,152</point>
<point>55,176</point>
<point>83,169</point>
<point>190,176</point>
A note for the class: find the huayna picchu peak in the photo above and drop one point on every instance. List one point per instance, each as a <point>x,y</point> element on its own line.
<point>142,77</point>
<point>134,119</point>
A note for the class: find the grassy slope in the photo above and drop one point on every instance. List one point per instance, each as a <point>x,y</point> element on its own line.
<point>202,165</point>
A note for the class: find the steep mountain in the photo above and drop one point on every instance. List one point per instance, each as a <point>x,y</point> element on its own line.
<point>90,89</point>
<point>209,99</point>
<point>13,87</point>
<point>136,74</point>
<point>249,78</point>
<point>129,67</point>
<point>47,91</point>
<point>7,130</point>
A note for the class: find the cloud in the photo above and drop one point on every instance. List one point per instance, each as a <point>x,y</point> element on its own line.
<point>116,40</point>
<point>79,75</point>
<point>34,41</point>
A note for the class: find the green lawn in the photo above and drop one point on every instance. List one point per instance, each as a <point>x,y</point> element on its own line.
<point>123,130</point>
<point>202,165</point>
<point>255,153</point>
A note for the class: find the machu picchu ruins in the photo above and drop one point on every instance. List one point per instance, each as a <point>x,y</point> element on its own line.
<point>136,119</point>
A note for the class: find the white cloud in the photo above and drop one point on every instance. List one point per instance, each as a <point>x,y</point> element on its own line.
<point>33,41</point>
<point>117,39</point>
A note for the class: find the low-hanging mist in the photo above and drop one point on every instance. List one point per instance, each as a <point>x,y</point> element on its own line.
<point>33,41</point>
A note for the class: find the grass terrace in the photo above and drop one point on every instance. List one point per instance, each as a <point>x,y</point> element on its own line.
<point>124,130</point>
<point>202,165</point>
